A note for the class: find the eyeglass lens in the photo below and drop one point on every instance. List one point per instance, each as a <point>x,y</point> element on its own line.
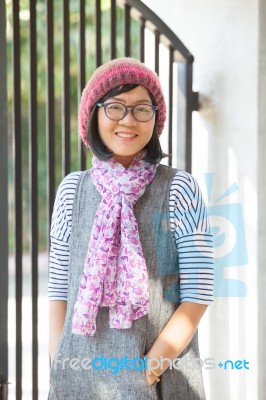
<point>117,111</point>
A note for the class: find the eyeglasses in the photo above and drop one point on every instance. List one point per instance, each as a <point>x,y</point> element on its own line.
<point>118,111</point>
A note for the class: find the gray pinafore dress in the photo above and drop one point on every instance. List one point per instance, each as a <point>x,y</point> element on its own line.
<point>73,375</point>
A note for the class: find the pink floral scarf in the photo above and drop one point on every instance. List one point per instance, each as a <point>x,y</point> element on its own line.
<point>115,272</point>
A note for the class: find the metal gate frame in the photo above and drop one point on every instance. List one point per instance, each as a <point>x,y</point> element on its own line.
<point>188,102</point>
<point>3,208</point>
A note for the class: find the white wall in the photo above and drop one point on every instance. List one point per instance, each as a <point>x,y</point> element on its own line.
<point>223,36</point>
<point>262,199</point>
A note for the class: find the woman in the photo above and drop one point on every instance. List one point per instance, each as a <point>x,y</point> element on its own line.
<point>131,268</point>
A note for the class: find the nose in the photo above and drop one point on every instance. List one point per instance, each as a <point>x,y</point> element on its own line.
<point>128,119</point>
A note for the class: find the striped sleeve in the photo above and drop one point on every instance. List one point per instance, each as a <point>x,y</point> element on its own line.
<point>61,227</point>
<point>191,231</point>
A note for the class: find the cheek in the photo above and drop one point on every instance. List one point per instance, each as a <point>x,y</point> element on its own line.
<point>103,124</point>
<point>150,128</point>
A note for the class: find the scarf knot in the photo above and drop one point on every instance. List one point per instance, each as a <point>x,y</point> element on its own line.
<point>115,272</point>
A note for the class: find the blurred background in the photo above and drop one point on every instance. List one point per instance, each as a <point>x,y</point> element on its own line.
<point>213,70</point>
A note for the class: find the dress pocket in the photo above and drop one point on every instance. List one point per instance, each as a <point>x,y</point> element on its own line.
<point>146,382</point>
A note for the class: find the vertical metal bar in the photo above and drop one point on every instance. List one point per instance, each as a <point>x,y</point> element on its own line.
<point>82,74</point>
<point>4,391</point>
<point>170,105</point>
<point>50,116</point>
<point>181,115</point>
<point>156,51</point>
<point>142,39</point>
<point>127,30</point>
<point>18,191</point>
<point>33,179</point>
<point>66,91</point>
<point>189,109</point>
<point>113,29</point>
<point>185,108</point>
<point>98,33</point>
<point>3,208</point>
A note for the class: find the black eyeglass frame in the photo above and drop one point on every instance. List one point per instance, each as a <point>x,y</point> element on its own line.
<point>126,108</point>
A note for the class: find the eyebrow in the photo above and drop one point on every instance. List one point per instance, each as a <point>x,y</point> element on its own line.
<point>141,101</point>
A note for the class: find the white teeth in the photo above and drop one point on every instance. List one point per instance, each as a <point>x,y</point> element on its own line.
<point>125,135</point>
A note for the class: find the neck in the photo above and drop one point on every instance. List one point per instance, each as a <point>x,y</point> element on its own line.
<point>124,161</point>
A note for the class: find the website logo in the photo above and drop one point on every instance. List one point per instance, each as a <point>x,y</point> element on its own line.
<point>230,247</point>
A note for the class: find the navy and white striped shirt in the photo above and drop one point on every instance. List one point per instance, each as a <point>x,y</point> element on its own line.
<point>189,225</point>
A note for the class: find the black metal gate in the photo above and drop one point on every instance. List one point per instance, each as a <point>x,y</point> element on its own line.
<point>48,49</point>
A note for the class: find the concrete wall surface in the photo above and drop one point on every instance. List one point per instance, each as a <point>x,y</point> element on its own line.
<point>226,38</point>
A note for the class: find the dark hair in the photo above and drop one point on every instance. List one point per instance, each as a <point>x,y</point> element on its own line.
<point>154,150</point>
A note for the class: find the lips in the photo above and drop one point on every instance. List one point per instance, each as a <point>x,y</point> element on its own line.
<point>126,135</point>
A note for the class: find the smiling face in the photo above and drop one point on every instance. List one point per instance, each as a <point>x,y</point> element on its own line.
<point>127,137</point>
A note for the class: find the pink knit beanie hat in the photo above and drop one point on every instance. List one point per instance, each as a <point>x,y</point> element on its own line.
<point>115,73</point>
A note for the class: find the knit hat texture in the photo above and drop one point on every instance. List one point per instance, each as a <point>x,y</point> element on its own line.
<point>115,73</point>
